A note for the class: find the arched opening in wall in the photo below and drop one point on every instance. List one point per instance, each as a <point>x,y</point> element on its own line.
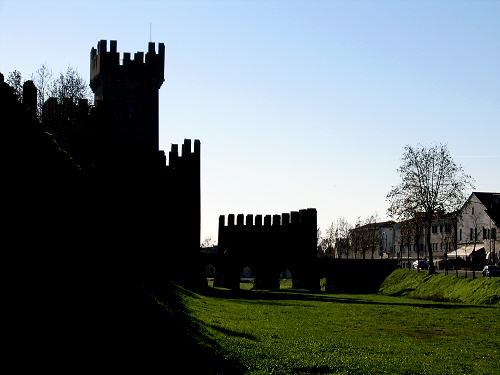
<point>210,272</point>
<point>285,278</point>
<point>247,277</point>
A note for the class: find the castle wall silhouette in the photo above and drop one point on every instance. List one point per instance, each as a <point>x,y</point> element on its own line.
<point>268,247</point>
<point>141,212</point>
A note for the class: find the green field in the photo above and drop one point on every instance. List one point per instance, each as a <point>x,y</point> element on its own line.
<point>291,332</point>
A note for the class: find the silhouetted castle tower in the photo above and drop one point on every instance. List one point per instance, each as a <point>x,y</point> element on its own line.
<point>126,116</point>
<point>128,92</point>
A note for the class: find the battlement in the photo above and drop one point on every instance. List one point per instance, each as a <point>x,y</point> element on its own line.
<point>188,152</point>
<point>302,217</point>
<point>129,93</point>
<point>109,64</point>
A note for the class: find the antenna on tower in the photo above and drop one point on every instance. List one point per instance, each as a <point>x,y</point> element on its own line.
<point>150,32</point>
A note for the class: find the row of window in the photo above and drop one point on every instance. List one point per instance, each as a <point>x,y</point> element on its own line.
<point>442,227</point>
<point>414,247</point>
<point>473,234</point>
<point>441,246</point>
<point>435,247</point>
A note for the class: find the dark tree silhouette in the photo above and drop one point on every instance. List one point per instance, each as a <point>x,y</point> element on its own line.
<point>69,85</point>
<point>15,80</point>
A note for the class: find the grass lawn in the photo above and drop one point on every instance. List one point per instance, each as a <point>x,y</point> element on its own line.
<point>290,332</point>
<point>444,288</point>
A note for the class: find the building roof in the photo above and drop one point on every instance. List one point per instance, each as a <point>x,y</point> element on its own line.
<point>381,224</point>
<point>491,201</point>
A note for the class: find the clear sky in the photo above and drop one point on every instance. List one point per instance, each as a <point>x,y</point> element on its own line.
<point>297,103</point>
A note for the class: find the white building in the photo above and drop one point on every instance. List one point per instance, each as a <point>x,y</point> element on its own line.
<point>472,228</point>
<point>478,223</point>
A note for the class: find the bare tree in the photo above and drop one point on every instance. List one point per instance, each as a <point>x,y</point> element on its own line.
<point>431,183</point>
<point>329,239</point>
<point>15,80</point>
<point>408,236</point>
<point>337,236</point>
<point>357,238</point>
<point>42,79</point>
<point>342,240</point>
<point>373,235</point>
<point>322,243</point>
<point>448,235</point>
<point>365,236</point>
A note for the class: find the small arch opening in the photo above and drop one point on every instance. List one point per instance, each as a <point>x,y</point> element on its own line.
<point>286,278</point>
<point>247,277</point>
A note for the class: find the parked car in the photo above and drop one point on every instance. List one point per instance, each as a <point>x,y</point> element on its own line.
<point>421,264</point>
<point>491,271</point>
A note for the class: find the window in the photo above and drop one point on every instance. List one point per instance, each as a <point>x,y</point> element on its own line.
<point>485,233</point>
<point>460,234</point>
<point>441,228</point>
<point>434,229</point>
<point>447,228</point>
<point>493,233</point>
<point>472,210</point>
<point>471,235</point>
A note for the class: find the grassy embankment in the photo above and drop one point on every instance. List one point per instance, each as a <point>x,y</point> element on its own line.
<point>287,332</point>
<point>445,288</point>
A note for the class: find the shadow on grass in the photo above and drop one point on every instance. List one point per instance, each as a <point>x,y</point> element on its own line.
<point>401,292</point>
<point>153,331</point>
<point>261,296</point>
<point>184,338</point>
<point>312,370</point>
<point>230,332</point>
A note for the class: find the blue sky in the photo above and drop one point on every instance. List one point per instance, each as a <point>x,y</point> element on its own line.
<point>297,103</point>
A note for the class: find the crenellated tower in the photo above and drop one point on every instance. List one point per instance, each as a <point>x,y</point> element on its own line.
<point>128,91</point>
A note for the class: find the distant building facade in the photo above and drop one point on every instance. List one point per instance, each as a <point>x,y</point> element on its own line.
<point>411,237</point>
<point>474,227</point>
<point>373,240</point>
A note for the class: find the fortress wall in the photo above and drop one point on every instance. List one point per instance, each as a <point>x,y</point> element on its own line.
<point>268,244</point>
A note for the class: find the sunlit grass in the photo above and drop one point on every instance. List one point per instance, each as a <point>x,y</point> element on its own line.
<point>481,290</point>
<point>293,332</point>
